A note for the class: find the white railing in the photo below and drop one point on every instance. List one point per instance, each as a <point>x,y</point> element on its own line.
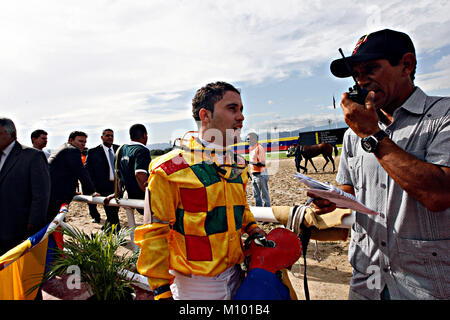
<point>261,214</point>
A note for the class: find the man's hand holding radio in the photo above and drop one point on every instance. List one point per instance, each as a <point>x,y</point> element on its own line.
<point>363,120</point>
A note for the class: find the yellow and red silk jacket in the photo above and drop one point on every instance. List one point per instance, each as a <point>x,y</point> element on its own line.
<point>198,215</point>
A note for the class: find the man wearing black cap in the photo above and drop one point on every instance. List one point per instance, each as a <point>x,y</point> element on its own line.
<point>396,160</point>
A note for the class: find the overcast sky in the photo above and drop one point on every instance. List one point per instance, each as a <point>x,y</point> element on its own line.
<point>90,65</point>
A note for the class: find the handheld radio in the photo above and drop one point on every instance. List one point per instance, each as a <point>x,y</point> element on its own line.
<point>356,93</point>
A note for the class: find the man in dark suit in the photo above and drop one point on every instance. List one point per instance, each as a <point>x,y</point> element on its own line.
<point>66,168</point>
<point>100,164</point>
<point>39,140</point>
<point>24,188</point>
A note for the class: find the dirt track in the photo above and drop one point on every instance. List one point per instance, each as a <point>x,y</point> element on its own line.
<point>328,279</point>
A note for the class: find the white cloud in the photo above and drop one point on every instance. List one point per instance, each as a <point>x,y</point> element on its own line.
<point>436,80</point>
<point>108,62</point>
<point>443,63</point>
<point>258,115</point>
<point>298,122</point>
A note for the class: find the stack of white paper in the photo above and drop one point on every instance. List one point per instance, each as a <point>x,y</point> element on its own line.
<point>333,194</point>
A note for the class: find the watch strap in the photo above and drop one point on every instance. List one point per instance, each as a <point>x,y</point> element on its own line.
<point>370,143</point>
<point>380,135</point>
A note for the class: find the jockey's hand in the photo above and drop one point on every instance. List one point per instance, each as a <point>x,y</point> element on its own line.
<point>257,230</point>
<point>321,205</point>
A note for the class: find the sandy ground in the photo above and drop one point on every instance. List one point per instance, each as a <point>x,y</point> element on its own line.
<point>328,276</point>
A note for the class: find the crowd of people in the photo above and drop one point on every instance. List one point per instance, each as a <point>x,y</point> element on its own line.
<point>36,184</point>
<point>395,159</point>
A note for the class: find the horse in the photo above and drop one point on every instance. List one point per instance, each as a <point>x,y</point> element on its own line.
<point>309,152</point>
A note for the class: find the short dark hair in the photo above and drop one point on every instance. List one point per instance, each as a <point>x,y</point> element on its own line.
<point>37,133</point>
<point>137,131</point>
<point>8,126</point>
<point>394,61</point>
<point>75,134</point>
<point>103,132</point>
<point>208,95</point>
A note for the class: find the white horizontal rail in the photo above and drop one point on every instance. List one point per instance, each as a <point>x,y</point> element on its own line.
<point>128,204</point>
<point>265,214</point>
<point>262,214</point>
<point>125,203</point>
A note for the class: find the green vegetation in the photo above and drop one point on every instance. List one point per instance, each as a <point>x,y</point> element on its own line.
<point>271,155</point>
<point>100,267</point>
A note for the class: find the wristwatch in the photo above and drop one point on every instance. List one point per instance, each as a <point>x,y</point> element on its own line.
<point>370,144</point>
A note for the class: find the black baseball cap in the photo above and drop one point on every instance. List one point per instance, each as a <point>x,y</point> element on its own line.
<point>383,44</point>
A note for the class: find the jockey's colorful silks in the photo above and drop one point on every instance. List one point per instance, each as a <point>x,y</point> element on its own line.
<point>199,211</point>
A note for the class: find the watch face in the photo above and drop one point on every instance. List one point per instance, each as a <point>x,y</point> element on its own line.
<point>368,144</point>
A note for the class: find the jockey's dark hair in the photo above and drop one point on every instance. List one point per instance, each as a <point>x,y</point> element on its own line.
<point>394,61</point>
<point>208,95</point>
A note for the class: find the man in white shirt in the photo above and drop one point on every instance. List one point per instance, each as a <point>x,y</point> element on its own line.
<point>39,140</point>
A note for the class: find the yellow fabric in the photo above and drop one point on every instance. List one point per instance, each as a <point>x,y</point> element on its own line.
<point>17,278</point>
<point>323,227</point>
<point>281,213</point>
<point>287,282</point>
<point>164,295</point>
<point>15,252</point>
<point>165,243</point>
<point>154,256</point>
<point>325,221</point>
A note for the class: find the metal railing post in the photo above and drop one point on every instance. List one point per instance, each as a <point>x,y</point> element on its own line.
<point>131,223</point>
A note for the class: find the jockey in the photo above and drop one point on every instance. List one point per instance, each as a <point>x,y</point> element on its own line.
<point>196,208</point>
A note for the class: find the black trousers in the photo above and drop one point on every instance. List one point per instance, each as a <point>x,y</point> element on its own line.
<point>53,209</point>
<point>112,213</point>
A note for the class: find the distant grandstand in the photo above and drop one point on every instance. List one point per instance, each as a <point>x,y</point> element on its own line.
<point>282,142</point>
